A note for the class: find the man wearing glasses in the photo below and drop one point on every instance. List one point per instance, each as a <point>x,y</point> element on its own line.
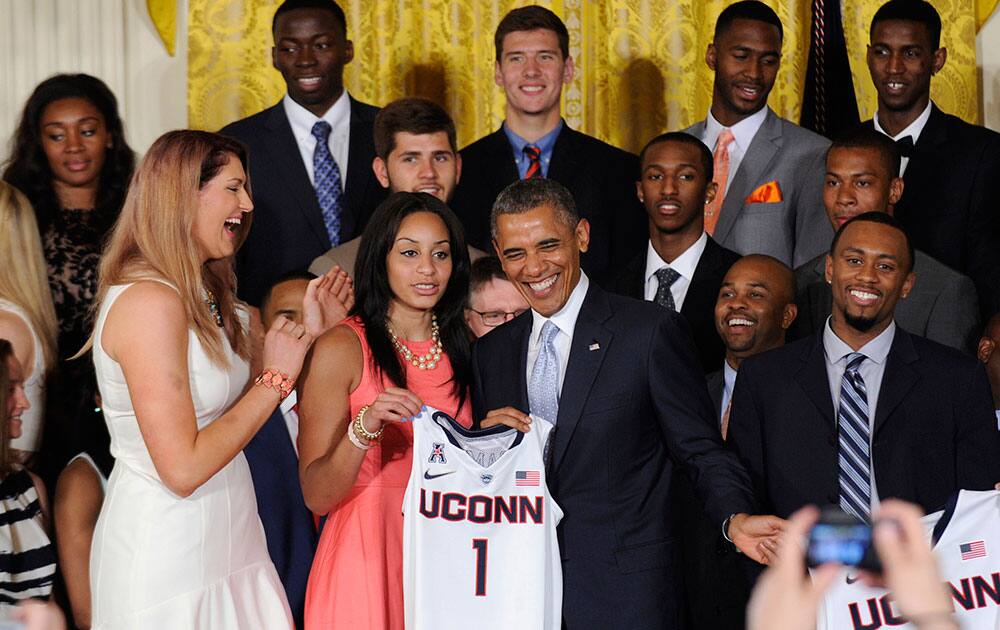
<point>493,300</point>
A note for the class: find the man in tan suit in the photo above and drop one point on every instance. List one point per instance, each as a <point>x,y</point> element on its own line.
<point>415,151</point>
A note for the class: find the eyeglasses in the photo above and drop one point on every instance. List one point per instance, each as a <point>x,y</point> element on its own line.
<point>495,318</point>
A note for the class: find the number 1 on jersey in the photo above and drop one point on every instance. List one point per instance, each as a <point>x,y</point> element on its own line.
<point>480,545</point>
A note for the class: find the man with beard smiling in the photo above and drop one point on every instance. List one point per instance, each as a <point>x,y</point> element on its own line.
<point>769,171</point>
<point>310,154</point>
<point>682,266</point>
<point>951,168</point>
<point>861,177</point>
<point>863,411</point>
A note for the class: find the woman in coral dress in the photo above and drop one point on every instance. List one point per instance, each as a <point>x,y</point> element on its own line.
<point>405,345</point>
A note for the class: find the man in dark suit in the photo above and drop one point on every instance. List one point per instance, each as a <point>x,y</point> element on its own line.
<point>951,168</point>
<point>769,170</point>
<point>682,266</point>
<point>304,149</point>
<point>864,411</point>
<point>533,63</point>
<point>620,380</point>
<point>861,177</point>
<point>754,308</point>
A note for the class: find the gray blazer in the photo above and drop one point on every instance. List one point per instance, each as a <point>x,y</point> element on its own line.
<point>941,307</point>
<point>794,229</point>
<point>345,255</point>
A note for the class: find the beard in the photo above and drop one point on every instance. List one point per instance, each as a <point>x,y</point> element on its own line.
<point>859,323</point>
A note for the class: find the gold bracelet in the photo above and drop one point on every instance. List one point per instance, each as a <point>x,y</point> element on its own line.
<point>361,431</point>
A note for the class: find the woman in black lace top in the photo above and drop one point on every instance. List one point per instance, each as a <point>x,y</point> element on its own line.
<point>71,160</point>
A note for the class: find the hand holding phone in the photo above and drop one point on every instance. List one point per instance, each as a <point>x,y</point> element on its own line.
<point>841,538</point>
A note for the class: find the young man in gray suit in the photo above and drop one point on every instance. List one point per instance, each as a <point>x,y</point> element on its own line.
<point>861,177</point>
<point>769,171</point>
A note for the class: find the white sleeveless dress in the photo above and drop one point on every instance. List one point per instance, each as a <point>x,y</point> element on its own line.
<point>162,561</point>
<point>34,388</point>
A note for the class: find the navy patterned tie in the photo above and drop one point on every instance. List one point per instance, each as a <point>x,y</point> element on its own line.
<point>666,277</point>
<point>855,456</point>
<point>328,183</point>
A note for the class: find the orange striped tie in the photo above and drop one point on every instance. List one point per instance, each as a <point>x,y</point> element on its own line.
<point>534,162</point>
<point>720,175</point>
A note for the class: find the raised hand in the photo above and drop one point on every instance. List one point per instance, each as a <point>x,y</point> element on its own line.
<point>327,301</point>
<point>285,347</point>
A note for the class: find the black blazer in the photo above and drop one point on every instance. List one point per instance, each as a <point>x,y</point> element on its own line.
<point>600,177</point>
<point>951,201</point>
<point>288,523</point>
<point>934,430</point>
<point>699,303</point>
<point>716,382</point>
<point>288,231</point>
<point>633,403</point>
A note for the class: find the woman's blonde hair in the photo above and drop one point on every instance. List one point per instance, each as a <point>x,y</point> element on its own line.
<point>23,272</point>
<point>153,236</point>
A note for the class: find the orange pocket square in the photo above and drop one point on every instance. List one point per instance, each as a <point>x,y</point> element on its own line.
<point>767,193</point>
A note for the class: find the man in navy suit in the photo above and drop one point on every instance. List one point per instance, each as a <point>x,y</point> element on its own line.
<point>863,411</point>
<point>682,266</point>
<point>951,168</point>
<point>533,63</point>
<point>622,383</point>
<point>297,215</point>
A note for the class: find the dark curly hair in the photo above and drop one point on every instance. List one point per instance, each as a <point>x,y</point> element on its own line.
<point>28,168</point>
<point>371,286</point>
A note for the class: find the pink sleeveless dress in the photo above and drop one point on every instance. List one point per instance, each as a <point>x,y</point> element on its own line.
<point>356,579</point>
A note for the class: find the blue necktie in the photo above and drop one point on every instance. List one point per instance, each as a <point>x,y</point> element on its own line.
<point>543,386</point>
<point>855,457</point>
<point>329,189</point>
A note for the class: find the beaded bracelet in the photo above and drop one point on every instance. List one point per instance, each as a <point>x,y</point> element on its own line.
<point>278,381</point>
<point>356,441</point>
<point>362,432</point>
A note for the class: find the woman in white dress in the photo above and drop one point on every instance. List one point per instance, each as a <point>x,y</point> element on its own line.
<point>178,543</point>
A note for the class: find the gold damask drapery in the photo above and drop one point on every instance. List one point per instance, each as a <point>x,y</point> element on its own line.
<point>640,63</point>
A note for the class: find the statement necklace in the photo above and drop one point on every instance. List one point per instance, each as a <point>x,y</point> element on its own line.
<point>427,361</point>
<point>213,308</point>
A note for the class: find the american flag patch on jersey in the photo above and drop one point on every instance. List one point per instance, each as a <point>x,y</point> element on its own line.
<point>526,478</point>
<point>972,550</point>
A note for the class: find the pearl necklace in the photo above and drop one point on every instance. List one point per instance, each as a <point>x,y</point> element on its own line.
<point>427,361</point>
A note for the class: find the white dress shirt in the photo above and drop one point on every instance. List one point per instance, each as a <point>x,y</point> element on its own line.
<point>302,121</point>
<point>743,134</point>
<point>565,319</point>
<point>684,264</point>
<point>871,369</point>
<point>291,418</point>
<point>913,129</point>
<point>728,384</point>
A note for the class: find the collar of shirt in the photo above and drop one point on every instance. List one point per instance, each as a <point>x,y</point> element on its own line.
<point>685,264</point>
<point>743,131</point>
<point>729,383</point>
<point>565,318</point>
<point>875,350</point>
<point>290,401</point>
<point>997,412</point>
<point>302,120</point>
<point>545,144</point>
<point>291,418</point>
<point>913,129</point>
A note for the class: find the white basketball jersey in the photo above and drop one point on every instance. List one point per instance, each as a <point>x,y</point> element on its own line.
<point>967,548</point>
<point>479,529</point>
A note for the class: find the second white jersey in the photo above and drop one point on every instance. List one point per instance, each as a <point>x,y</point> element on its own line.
<point>966,537</point>
<point>479,529</point>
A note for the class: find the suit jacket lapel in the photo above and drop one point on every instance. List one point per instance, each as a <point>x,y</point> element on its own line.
<point>813,379</point>
<point>499,164</point>
<point>291,170</point>
<point>583,366</point>
<point>897,379</point>
<point>920,175</point>
<point>361,144</point>
<point>633,279</point>
<point>705,281</point>
<point>563,167</point>
<point>763,148</point>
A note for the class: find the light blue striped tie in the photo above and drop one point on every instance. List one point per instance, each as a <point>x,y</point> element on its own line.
<point>855,451</point>
<point>543,386</point>
<point>327,182</point>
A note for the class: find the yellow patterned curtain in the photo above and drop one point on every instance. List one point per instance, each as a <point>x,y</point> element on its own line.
<point>640,63</point>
